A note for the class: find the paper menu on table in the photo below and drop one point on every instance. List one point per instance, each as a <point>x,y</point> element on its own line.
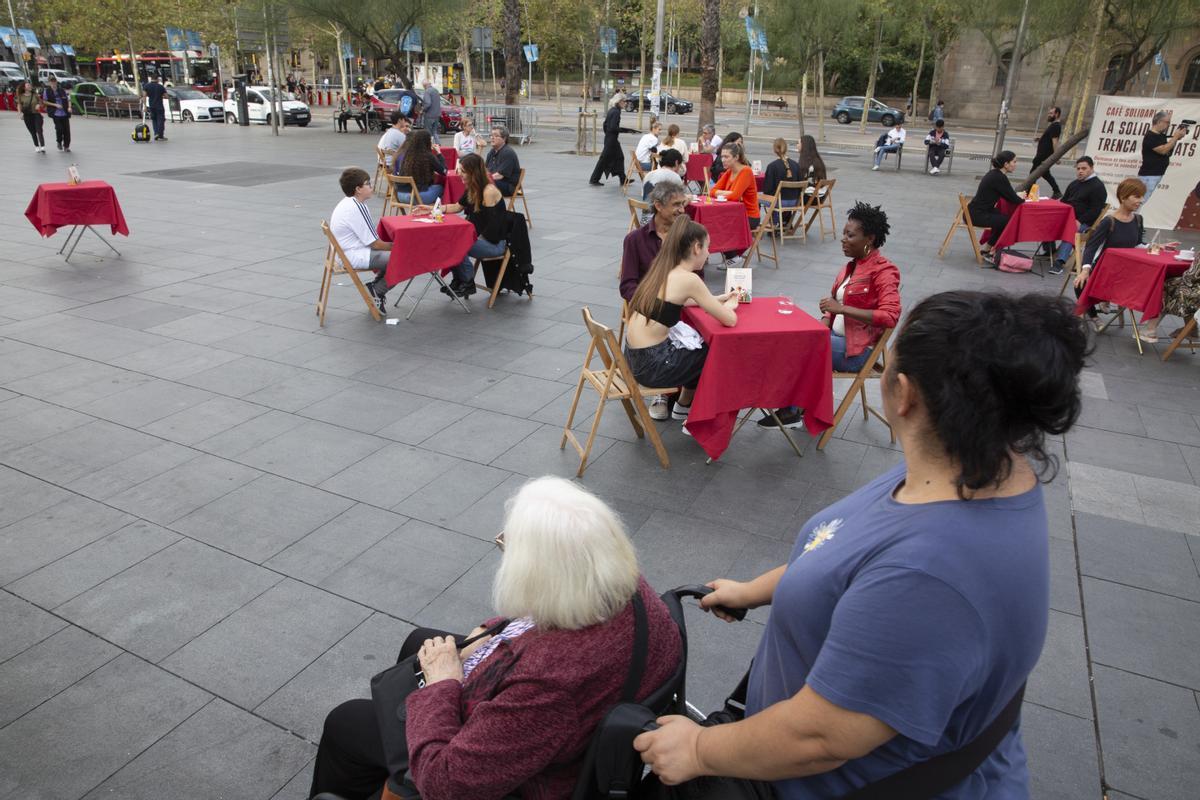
<point>757,167</point>
<point>740,280</point>
<point>73,175</point>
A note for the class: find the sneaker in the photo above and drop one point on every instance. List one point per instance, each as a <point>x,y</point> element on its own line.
<point>727,264</point>
<point>379,299</point>
<point>465,289</point>
<point>680,411</point>
<point>877,149</point>
<point>875,167</point>
<point>1056,268</point>
<point>658,407</point>
<point>683,428</point>
<point>66,149</point>
<point>59,145</point>
<point>789,418</point>
<point>934,170</point>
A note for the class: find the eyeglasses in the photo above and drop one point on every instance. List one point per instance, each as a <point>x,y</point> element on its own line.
<point>499,540</point>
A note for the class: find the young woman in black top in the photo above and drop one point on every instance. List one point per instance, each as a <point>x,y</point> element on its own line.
<point>994,186</point>
<point>1122,228</point>
<point>670,284</point>
<point>778,171</point>
<point>418,160</point>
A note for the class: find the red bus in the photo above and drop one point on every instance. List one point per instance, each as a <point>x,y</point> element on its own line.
<point>167,64</point>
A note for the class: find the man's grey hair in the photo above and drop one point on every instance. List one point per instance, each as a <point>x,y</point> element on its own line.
<point>709,129</point>
<point>1159,116</point>
<point>663,193</point>
<point>503,131</point>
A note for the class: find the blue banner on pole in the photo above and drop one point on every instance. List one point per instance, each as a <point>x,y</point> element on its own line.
<point>6,36</point>
<point>531,52</point>
<point>347,52</point>
<point>193,40</point>
<point>608,40</point>
<point>756,35</point>
<point>673,60</point>
<point>412,40</point>
<point>175,39</point>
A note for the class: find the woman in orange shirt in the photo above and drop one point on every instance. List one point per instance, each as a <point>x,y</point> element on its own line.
<point>736,184</point>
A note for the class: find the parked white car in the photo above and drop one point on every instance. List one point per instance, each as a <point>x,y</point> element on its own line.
<point>192,105</point>
<point>259,102</point>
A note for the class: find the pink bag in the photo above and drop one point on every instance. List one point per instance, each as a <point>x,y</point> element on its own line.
<point>1011,262</point>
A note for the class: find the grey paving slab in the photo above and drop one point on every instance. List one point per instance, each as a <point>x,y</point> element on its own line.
<point>204,420</point>
<point>1064,577</point>
<point>197,586</point>
<point>221,751</point>
<point>311,452</point>
<point>1137,555</point>
<point>260,518</point>
<point>466,602</point>
<point>23,625</point>
<point>248,655</point>
<point>336,543</point>
<point>390,474</point>
<point>179,491</point>
<point>37,674</point>
<point>1143,632</point>
<point>365,408</point>
<point>1060,680</point>
<point>342,672</point>
<point>1127,453</point>
<point>54,532</point>
<point>1062,754</point>
<point>481,436</point>
<point>125,474</point>
<point>1151,732</point>
<point>93,728</point>
<point>25,495</point>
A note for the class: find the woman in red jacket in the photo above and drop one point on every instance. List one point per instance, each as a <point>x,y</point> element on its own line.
<point>514,713</point>
<point>865,298</point>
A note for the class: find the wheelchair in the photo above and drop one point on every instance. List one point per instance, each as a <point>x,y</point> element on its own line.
<point>612,769</point>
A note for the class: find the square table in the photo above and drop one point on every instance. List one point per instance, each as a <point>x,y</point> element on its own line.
<point>1132,278</point>
<point>726,221</point>
<point>1039,221</point>
<point>698,165</point>
<point>450,155</point>
<point>422,246</point>
<point>82,205</point>
<point>768,360</point>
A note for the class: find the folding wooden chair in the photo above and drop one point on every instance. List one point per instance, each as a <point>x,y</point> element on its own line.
<point>635,168</point>
<point>791,216</point>
<point>963,220</point>
<point>1081,240</point>
<point>625,312</point>
<point>822,200</point>
<point>636,208</point>
<point>381,167</point>
<point>766,224</point>
<point>1184,337</point>
<point>614,382</point>
<point>504,259</point>
<point>871,370</point>
<point>336,263</point>
<point>519,192</point>
<point>396,185</point>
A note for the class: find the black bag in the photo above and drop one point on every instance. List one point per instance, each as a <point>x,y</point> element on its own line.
<point>141,132</point>
<point>520,263</point>
<point>389,691</point>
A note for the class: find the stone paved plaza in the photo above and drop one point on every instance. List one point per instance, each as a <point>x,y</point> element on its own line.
<point>219,519</point>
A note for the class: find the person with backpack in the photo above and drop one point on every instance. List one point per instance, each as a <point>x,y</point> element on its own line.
<point>58,103</point>
<point>910,614</point>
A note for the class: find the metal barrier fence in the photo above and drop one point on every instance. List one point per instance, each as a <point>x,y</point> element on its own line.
<point>521,121</point>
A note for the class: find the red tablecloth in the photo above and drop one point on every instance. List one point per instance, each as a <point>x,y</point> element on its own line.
<point>1130,277</point>
<point>727,224</point>
<point>1043,221</point>
<point>698,165</point>
<point>758,181</point>
<point>767,360</point>
<point>57,205</point>
<point>454,187</point>
<point>451,157</point>
<point>420,247</point>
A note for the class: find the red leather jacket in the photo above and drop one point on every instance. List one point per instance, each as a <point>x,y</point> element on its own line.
<point>875,285</point>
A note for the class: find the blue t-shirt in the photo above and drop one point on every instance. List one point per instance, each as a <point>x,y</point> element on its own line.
<point>927,617</point>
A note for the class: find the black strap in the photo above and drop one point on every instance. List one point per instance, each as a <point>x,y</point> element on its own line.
<point>941,773</point>
<point>641,639</point>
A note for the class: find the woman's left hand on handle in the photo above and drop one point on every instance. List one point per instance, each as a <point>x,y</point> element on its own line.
<point>439,660</point>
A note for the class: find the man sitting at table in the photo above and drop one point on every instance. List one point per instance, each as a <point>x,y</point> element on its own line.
<point>503,166</point>
<point>1087,195</point>
<point>668,171</point>
<point>669,201</point>
<point>351,224</point>
<point>393,138</point>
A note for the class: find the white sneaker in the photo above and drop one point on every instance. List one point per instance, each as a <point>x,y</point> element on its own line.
<point>686,432</point>
<point>875,167</point>
<point>680,411</point>
<point>934,170</point>
<point>658,407</point>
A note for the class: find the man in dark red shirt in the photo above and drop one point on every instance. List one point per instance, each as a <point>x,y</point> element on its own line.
<point>669,200</point>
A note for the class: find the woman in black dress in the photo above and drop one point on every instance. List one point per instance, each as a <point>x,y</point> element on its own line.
<point>993,187</point>
<point>612,160</point>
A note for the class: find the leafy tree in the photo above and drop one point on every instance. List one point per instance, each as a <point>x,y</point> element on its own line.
<point>378,25</point>
<point>710,43</point>
<point>1140,28</point>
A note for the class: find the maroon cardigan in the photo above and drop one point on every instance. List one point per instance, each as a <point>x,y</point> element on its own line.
<point>523,719</point>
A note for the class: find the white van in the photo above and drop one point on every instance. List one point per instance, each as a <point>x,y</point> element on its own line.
<point>259,105</point>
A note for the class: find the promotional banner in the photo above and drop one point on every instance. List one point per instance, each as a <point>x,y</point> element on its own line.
<point>1115,143</point>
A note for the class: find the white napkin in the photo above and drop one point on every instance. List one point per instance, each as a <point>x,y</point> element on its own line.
<point>685,337</point>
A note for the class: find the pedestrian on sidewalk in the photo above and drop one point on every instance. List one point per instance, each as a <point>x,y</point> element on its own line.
<point>155,93</point>
<point>1156,150</point>
<point>31,111</point>
<point>432,102</point>
<point>612,160</point>
<point>55,98</point>
<point>1047,143</point>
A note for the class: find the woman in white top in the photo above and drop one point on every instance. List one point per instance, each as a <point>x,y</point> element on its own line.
<point>467,140</point>
<point>648,144</point>
<point>672,141</point>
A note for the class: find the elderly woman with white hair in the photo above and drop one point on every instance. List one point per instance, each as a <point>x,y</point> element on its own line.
<point>612,160</point>
<point>514,712</point>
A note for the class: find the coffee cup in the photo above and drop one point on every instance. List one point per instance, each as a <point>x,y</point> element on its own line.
<point>1189,254</point>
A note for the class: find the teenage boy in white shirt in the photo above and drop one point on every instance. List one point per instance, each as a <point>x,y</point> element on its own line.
<point>351,224</point>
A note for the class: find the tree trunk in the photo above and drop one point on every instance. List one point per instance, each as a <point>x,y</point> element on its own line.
<point>710,58</point>
<point>467,90</point>
<point>862,126</point>
<point>801,94</point>
<point>916,98</point>
<point>720,70</point>
<point>545,83</point>
<point>512,52</point>
<point>821,94</point>
<point>1064,147</point>
<point>337,33</point>
<point>1089,63</point>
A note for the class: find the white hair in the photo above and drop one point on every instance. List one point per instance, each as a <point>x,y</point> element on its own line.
<point>568,562</point>
<point>617,98</point>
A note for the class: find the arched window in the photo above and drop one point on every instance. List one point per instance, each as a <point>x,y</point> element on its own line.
<point>1112,73</point>
<point>1003,67</point>
<point>1191,77</point>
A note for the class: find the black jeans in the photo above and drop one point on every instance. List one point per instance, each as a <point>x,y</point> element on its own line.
<point>62,131</point>
<point>937,154</point>
<point>33,124</point>
<point>158,119</point>
<point>350,757</point>
<point>990,219</point>
<point>1037,162</point>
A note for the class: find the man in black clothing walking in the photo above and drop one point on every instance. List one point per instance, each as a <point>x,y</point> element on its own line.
<point>155,93</point>
<point>1046,146</point>
<point>1087,196</point>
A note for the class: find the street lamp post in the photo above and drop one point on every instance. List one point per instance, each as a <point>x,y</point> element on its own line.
<point>656,73</point>
<point>18,40</point>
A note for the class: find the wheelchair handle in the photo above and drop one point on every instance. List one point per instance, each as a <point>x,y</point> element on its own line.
<point>697,592</point>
